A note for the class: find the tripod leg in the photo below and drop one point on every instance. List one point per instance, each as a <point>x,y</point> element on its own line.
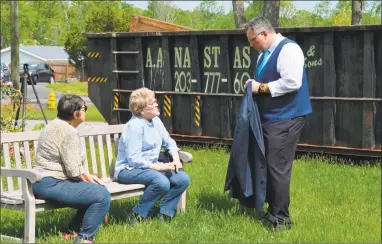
<point>38,101</point>
<point>25,95</point>
<point>18,109</point>
<point>17,115</point>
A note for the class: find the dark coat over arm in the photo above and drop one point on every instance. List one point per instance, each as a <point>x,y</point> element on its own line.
<point>247,172</point>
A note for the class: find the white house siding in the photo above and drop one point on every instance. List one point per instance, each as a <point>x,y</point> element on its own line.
<point>24,58</point>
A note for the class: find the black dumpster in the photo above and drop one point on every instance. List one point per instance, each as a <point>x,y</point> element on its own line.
<point>198,78</point>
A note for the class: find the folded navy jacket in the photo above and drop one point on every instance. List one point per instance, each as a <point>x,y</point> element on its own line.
<point>247,171</point>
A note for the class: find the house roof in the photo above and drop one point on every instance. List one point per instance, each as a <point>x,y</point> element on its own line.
<point>45,53</point>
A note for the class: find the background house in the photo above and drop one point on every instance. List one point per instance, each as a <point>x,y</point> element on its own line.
<point>55,56</point>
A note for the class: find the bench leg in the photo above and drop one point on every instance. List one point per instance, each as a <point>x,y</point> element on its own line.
<point>30,223</point>
<point>30,212</point>
<point>181,207</point>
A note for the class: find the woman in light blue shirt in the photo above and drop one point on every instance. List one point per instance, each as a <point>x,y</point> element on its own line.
<point>137,159</point>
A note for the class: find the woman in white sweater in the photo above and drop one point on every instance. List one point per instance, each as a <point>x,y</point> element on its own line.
<point>65,179</point>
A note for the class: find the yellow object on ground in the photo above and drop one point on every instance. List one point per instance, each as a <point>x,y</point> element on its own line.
<point>52,100</point>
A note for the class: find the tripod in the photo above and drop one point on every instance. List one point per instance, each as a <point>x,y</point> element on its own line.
<point>24,92</point>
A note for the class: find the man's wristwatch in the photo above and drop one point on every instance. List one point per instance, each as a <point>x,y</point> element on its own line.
<point>263,88</point>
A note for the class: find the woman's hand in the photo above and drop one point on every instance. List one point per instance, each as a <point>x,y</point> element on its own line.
<point>167,167</point>
<point>91,178</point>
<point>178,165</point>
<point>176,161</point>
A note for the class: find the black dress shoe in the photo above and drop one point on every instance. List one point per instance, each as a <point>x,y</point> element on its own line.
<point>274,223</point>
<point>164,218</point>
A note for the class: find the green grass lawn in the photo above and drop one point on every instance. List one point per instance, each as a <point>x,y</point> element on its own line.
<point>330,202</point>
<point>77,88</point>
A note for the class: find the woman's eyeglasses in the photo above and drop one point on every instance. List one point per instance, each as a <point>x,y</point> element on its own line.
<point>84,108</point>
<point>153,102</point>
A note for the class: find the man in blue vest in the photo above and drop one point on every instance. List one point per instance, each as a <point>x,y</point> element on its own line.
<point>281,91</point>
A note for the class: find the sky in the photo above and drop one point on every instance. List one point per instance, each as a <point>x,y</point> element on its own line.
<point>190,5</point>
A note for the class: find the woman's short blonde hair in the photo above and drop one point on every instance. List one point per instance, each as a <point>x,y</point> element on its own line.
<point>139,99</point>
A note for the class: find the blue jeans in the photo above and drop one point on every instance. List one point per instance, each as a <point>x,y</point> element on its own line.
<point>169,186</point>
<point>91,200</point>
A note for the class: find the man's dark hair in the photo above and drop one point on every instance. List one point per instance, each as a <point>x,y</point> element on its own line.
<point>259,24</point>
<point>67,105</point>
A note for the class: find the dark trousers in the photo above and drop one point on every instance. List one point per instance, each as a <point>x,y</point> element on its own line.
<point>280,146</point>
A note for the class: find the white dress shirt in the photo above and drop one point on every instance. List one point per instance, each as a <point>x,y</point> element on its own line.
<point>290,64</point>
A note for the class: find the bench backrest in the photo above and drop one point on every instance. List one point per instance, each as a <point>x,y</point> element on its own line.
<point>18,150</point>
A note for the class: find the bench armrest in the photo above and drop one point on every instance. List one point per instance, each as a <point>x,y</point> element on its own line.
<point>31,175</point>
<point>185,157</point>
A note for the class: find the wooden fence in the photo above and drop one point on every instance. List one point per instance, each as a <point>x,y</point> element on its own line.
<point>63,70</point>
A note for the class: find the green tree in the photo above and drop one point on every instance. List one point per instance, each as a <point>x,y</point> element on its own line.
<point>372,13</point>
<point>342,13</point>
<point>210,15</point>
<point>44,21</point>
<point>323,12</point>
<point>288,14</point>
<point>254,9</point>
<point>149,12</point>
<point>184,18</point>
<point>95,17</point>
<point>5,8</point>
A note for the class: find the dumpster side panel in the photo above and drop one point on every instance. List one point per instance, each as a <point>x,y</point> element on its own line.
<point>378,94</point>
<point>128,62</point>
<point>215,116</point>
<point>311,44</point>
<point>182,65</point>
<point>100,76</point>
<point>349,63</point>
<point>243,60</point>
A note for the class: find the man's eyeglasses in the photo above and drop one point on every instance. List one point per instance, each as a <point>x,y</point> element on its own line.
<point>254,38</point>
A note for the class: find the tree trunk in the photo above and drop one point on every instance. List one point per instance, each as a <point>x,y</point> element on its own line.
<point>15,76</point>
<point>271,11</point>
<point>238,11</point>
<point>65,12</point>
<point>164,11</point>
<point>356,14</point>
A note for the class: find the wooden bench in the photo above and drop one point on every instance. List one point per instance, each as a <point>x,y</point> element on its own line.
<point>20,164</point>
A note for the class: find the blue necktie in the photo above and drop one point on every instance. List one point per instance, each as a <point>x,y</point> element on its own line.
<point>263,61</point>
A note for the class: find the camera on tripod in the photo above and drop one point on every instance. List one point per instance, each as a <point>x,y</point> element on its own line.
<point>25,75</point>
<point>26,78</point>
<point>26,68</point>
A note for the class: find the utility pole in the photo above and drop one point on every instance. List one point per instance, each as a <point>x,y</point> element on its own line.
<point>15,76</point>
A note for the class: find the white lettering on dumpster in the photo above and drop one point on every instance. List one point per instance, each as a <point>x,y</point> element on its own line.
<point>212,79</point>
<point>215,51</point>
<point>149,62</point>
<point>182,61</point>
<point>238,84</point>
<point>213,84</point>
<point>156,72</point>
<point>312,63</point>
<point>242,59</point>
<point>183,81</point>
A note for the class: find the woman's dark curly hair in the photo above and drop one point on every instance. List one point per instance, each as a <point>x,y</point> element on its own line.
<point>67,105</point>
